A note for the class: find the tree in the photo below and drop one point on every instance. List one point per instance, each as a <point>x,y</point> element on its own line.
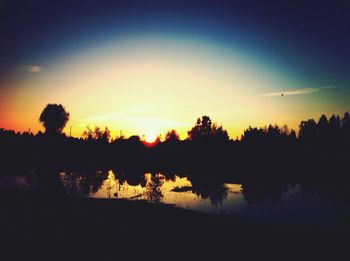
<point>293,135</point>
<point>253,134</point>
<point>345,121</point>
<point>272,134</point>
<point>201,130</point>
<point>106,136</point>
<point>206,130</point>
<point>172,136</point>
<point>334,123</point>
<point>322,126</point>
<point>88,134</point>
<point>97,134</point>
<point>54,118</point>
<point>308,130</point>
<point>219,134</point>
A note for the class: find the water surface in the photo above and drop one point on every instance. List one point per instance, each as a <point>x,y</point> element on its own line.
<point>312,203</point>
<point>271,202</point>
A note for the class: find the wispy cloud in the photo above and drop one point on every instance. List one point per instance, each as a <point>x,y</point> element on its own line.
<point>299,91</point>
<point>33,68</point>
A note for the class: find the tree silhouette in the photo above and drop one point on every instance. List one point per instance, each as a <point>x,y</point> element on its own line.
<point>308,130</point>
<point>334,122</point>
<point>334,128</point>
<point>323,127</point>
<point>172,136</point>
<point>106,135</point>
<point>54,118</point>
<point>206,130</point>
<point>345,122</point>
<point>97,135</point>
<point>272,134</point>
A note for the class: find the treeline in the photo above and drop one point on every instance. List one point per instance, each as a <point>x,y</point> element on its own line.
<point>324,130</point>
<point>335,130</point>
<point>319,147</point>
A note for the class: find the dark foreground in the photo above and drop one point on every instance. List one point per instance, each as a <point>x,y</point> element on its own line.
<point>101,229</point>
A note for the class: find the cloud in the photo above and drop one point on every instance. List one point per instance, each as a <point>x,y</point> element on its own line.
<point>300,91</point>
<point>33,68</point>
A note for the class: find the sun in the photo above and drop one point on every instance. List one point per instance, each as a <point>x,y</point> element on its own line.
<point>150,136</point>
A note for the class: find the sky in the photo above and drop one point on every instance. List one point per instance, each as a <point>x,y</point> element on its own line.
<point>145,67</point>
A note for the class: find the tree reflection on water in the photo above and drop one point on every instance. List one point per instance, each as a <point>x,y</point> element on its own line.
<point>205,193</point>
<point>260,192</point>
<point>154,185</point>
<point>211,189</point>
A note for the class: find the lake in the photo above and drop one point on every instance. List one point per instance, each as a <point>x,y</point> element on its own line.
<point>261,201</point>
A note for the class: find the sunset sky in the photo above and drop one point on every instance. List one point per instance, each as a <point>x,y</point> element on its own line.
<point>145,67</point>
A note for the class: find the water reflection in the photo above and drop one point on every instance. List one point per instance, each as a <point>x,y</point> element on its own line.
<point>263,200</point>
<point>260,192</point>
<point>154,185</point>
<point>258,199</point>
<point>181,191</point>
<point>206,188</point>
<point>84,183</point>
